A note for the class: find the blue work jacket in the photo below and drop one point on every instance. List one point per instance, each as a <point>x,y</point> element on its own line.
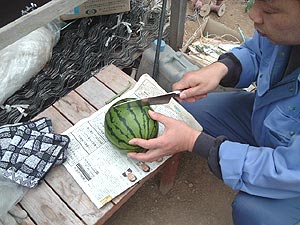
<point>272,169</point>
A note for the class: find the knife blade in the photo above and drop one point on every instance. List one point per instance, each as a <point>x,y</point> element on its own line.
<point>153,100</point>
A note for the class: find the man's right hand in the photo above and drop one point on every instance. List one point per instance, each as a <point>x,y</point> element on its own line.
<point>197,84</point>
<point>177,137</point>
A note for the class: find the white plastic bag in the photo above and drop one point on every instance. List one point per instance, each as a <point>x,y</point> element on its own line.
<point>25,58</point>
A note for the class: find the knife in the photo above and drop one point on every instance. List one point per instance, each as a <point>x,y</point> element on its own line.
<point>153,100</point>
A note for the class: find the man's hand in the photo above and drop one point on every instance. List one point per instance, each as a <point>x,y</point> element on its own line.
<point>197,84</point>
<point>177,137</point>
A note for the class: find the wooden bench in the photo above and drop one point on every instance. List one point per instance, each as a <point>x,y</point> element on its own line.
<point>58,199</point>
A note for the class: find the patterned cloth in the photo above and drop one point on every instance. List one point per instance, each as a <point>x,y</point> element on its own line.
<point>28,150</point>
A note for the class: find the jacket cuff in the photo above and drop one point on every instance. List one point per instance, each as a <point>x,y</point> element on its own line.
<point>208,147</point>
<point>203,144</point>
<point>234,69</point>
<point>214,158</point>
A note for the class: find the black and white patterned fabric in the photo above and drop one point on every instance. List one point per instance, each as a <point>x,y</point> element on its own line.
<point>29,150</point>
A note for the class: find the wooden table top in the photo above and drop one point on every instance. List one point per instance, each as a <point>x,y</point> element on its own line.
<point>58,199</point>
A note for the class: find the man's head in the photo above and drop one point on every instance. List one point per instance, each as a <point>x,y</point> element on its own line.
<point>278,20</point>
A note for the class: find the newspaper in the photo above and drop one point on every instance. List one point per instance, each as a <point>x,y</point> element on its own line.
<point>98,167</point>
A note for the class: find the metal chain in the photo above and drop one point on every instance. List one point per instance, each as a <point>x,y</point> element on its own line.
<point>85,47</point>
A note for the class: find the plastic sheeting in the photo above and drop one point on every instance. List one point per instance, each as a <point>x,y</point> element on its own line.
<point>25,58</point>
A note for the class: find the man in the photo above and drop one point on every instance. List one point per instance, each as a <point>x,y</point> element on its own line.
<point>251,140</point>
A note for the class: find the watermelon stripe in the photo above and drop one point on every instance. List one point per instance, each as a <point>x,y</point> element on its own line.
<point>114,137</point>
<point>146,120</point>
<point>131,109</point>
<point>124,123</point>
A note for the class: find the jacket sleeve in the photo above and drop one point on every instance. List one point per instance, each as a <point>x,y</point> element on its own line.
<point>234,69</point>
<point>208,147</point>
<point>262,171</point>
<point>249,55</point>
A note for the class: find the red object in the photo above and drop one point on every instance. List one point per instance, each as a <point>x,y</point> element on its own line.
<point>197,4</point>
<point>219,2</point>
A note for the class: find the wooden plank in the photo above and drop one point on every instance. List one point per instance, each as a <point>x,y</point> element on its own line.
<point>45,207</point>
<point>27,221</point>
<point>73,107</point>
<point>95,92</point>
<point>59,122</point>
<point>115,79</point>
<point>35,19</point>
<point>67,188</point>
<point>53,114</point>
<point>63,183</point>
<point>169,173</point>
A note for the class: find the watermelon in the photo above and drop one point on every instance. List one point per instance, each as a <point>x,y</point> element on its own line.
<point>130,120</point>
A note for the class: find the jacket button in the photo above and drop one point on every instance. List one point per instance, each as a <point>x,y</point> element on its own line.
<point>291,89</point>
<point>292,108</point>
<point>292,133</point>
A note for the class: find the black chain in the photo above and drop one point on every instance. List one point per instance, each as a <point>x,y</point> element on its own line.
<point>84,48</point>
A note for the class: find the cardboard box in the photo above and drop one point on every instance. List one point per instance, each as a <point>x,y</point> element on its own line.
<point>216,28</point>
<point>96,8</point>
<point>210,40</point>
<point>213,27</point>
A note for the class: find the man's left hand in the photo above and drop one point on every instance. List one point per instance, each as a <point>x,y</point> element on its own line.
<point>177,137</point>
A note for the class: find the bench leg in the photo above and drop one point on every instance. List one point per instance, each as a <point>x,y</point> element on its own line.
<point>169,173</point>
